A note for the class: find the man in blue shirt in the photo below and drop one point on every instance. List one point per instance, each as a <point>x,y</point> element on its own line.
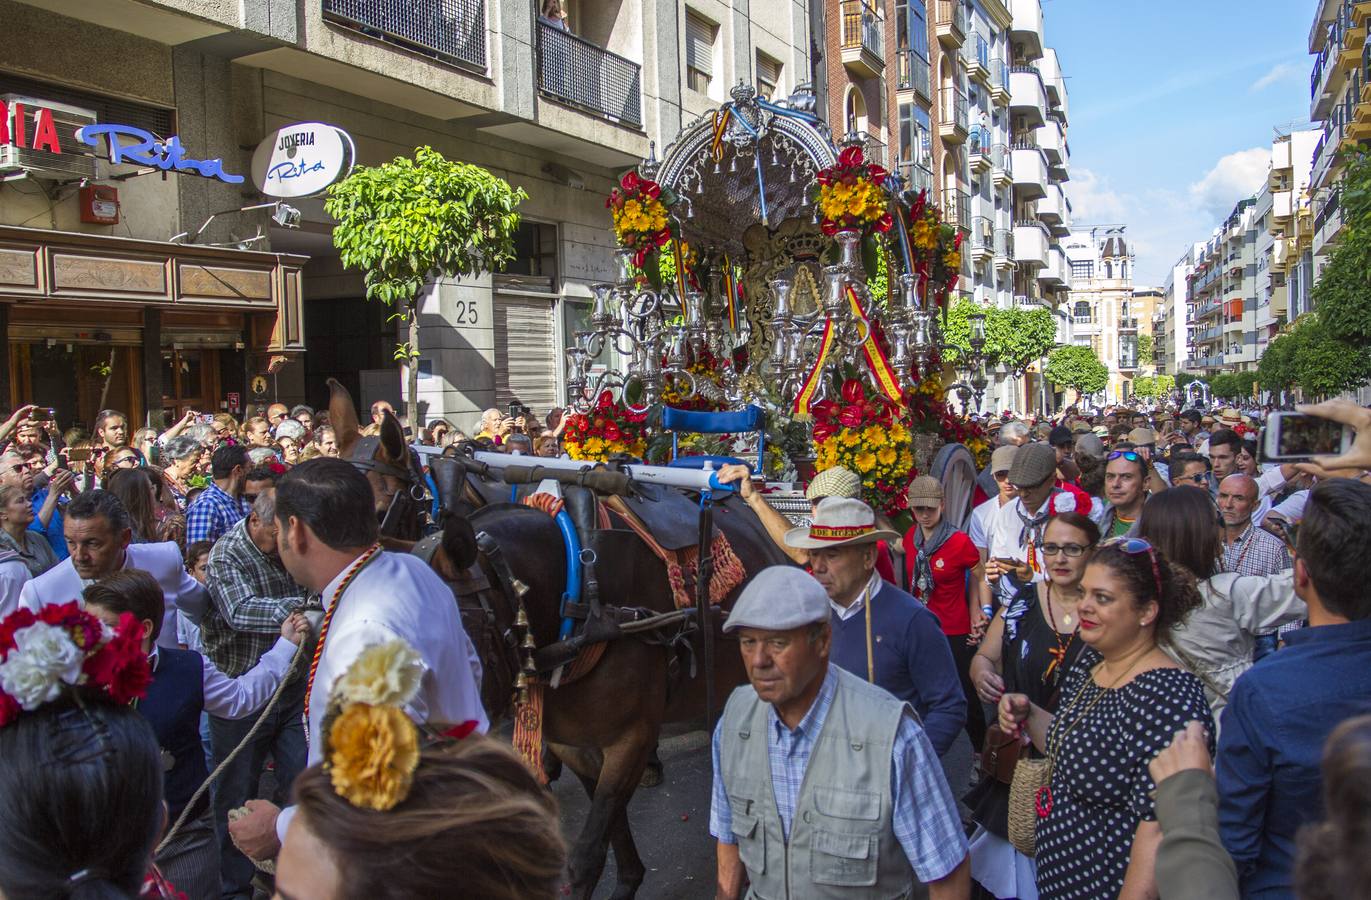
<point>221,505</point>
<point>1282,710</point>
<point>880,633</point>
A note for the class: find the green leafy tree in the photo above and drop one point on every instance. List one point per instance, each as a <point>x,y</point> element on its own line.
<point>1244,383</point>
<point>1015,337</point>
<point>1341,293</point>
<point>1144,386</point>
<point>410,220</point>
<point>1145,349</point>
<point>1183,379</point>
<point>1308,356</point>
<point>1276,368</point>
<point>1221,385</point>
<point>1078,368</point>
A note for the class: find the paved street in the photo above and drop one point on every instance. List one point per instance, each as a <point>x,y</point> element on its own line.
<point>671,822</point>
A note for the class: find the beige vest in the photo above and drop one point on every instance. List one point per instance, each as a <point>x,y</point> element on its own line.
<point>841,842</point>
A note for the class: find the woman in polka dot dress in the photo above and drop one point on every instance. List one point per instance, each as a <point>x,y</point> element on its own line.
<point>1120,706</point>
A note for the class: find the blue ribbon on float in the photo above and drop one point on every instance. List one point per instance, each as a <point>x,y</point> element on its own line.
<point>572,594</point>
<point>757,161</point>
<point>786,112</point>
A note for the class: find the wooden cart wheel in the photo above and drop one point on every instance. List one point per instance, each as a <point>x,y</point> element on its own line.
<point>955,467</point>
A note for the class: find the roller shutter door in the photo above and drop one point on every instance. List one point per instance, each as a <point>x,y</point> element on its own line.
<point>525,353</point>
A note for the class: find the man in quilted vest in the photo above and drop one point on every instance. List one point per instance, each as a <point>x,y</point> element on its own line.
<point>825,786</point>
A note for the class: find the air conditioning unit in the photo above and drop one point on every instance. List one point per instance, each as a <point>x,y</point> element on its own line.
<point>76,161</point>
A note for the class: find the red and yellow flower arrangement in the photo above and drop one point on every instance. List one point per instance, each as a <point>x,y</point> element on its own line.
<point>866,433</point>
<point>936,248</point>
<point>639,213</point>
<point>610,429</point>
<point>852,195</point>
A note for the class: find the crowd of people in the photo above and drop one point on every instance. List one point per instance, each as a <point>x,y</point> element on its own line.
<point>1159,649</point>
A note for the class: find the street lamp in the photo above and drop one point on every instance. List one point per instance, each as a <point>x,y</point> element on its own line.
<point>974,379</point>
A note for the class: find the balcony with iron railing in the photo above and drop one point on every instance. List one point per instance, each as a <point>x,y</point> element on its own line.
<point>954,115</point>
<point>1001,165</point>
<point>916,176</point>
<point>1004,248</point>
<point>1028,95</point>
<point>999,81</point>
<point>976,55</point>
<point>957,208</point>
<point>950,22</point>
<point>982,238</point>
<point>451,31</point>
<point>978,149</point>
<point>913,73</point>
<point>863,39</point>
<point>579,73</point>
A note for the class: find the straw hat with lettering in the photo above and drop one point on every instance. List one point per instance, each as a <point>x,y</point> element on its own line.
<point>839,522</point>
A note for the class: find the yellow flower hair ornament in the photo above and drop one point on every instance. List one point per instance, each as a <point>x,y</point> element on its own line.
<point>371,744</point>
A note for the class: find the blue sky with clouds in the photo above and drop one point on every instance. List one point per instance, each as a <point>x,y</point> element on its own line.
<point>1172,110</point>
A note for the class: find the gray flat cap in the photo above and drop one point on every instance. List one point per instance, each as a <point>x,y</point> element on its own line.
<point>778,599</point>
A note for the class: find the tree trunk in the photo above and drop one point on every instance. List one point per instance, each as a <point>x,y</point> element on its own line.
<point>412,386</point>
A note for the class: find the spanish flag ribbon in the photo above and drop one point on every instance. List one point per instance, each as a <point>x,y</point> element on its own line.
<point>875,358</point>
<point>716,144</point>
<point>730,294</point>
<point>680,270</point>
<point>806,395</point>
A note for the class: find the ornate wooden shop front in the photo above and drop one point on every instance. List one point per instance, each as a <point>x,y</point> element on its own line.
<point>140,326</point>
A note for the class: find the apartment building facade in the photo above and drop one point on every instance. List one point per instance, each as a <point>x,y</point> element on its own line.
<point>973,89</point>
<point>1342,64</point>
<point>559,109</point>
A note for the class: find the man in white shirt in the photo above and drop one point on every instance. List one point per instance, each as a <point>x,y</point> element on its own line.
<point>327,536</point>
<point>13,576</point>
<point>1014,533</point>
<point>981,516</point>
<point>98,534</point>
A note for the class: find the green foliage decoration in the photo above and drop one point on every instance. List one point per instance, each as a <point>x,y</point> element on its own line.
<point>1015,337</point>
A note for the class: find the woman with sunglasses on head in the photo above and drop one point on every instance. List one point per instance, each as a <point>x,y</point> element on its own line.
<point>1029,648</point>
<point>1120,705</point>
<point>1219,638</point>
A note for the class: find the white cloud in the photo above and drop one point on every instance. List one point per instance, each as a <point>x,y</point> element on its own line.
<point>1279,72</point>
<point>1093,200</point>
<point>1234,177</point>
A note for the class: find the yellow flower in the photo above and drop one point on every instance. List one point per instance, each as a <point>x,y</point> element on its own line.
<point>373,751</point>
<point>898,434</point>
<point>383,675</point>
<point>594,446</point>
<point>906,459</point>
<point>850,438</point>
<point>874,434</point>
<point>865,461</point>
<point>886,456</point>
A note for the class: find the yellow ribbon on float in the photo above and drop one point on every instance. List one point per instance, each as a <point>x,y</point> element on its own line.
<point>731,294</point>
<point>875,358</point>
<point>806,395</point>
<point>716,143</point>
<point>680,270</point>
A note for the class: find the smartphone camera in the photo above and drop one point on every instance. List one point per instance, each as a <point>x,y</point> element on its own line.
<point>1294,437</point>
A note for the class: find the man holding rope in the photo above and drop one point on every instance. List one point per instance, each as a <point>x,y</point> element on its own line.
<point>328,542</point>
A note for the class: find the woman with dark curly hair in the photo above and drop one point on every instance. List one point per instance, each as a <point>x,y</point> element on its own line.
<point>475,823</point>
<point>1120,705</point>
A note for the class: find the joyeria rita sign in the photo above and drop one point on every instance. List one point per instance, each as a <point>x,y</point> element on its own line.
<point>302,160</point>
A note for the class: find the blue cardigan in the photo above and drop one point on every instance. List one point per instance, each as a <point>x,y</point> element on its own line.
<point>912,658</point>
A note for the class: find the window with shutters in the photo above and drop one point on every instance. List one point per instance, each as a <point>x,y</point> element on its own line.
<point>700,36</point>
<point>768,75</point>
<point>525,352</point>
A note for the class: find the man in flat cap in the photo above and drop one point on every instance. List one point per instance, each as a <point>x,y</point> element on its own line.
<point>1015,531</point>
<point>824,786</point>
<point>880,633</point>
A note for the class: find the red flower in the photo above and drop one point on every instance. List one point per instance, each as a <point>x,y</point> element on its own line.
<point>652,189</point>
<point>120,666</point>
<point>825,410</point>
<point>829,227</point>
<point>853,391</point>
<point>605,400</point>
<point>15,621</point>
<point>884,223</point>
<point>851,156</point>
<point>851,417</point>
<point>823,431</point>
<point>630,180</point>
<point>611,431</point>
<point>823,177</point>
<point>83,628</point>
<point>877,173</point>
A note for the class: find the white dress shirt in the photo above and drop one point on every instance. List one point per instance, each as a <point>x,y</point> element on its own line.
<point>163,561</point>
<point>873,587</point>
<point>237,698</point>
<point>397,597</point>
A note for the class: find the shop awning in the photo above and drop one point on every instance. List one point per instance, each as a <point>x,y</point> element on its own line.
<point>39,266</point>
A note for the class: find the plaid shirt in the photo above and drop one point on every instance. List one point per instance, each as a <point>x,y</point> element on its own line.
<point>1256,552</point>
<point>923,814</point>
<point>212,514</point>
<point>251,596</point>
